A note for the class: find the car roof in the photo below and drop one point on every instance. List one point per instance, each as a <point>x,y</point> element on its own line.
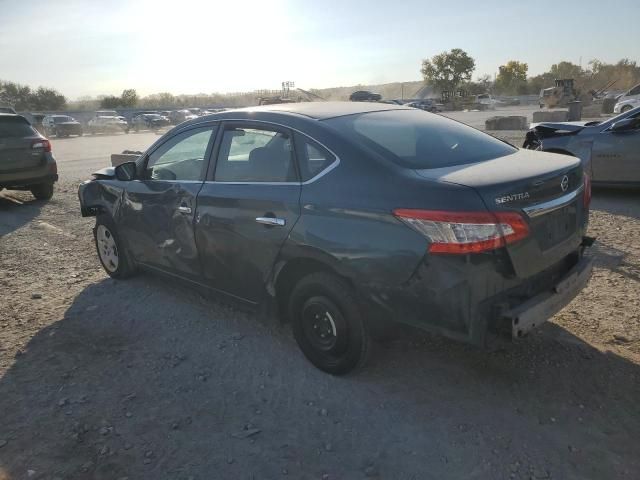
<point>319,110</point>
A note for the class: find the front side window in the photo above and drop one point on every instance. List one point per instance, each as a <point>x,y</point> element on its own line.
<point>312,158</point>
<point>255,155</point>
<point>182,157</point>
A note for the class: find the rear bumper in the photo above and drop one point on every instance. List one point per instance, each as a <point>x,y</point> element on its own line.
<point>25,182</point>
<point>480,300</point>
<point>537,310</point>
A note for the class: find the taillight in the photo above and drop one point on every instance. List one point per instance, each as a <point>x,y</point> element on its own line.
<point>465,232</point>
<point>42,143</point>
<point>586,198</point>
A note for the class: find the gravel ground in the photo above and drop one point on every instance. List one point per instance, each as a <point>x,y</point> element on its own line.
<point>146,379</point>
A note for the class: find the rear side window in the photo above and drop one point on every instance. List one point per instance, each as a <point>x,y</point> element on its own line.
<point>255,155</point>
<point>417,139</point>
<point>15,127</point>
<point>312,158</point>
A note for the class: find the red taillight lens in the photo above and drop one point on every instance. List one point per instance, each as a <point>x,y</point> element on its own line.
<point>43,144</point>
<point>587,191</point>
<point>465,232</point>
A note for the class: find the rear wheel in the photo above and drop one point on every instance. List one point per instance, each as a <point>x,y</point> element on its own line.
<point>111,251</point>
<point>42,191</point>
<point>328,323</point>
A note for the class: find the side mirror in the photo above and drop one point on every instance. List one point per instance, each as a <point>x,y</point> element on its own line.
<point>126,171</point>
<point>625,125</point>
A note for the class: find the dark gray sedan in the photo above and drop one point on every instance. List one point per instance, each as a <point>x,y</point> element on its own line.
<point>610,149</point>
<point>345,217</point>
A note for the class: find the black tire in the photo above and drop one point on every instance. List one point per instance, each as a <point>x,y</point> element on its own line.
<point>114,257</point>
<point>42,191</point>
<point>328,323</point>
<point>626,108</point>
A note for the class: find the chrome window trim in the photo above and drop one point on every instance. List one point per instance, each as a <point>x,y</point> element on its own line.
<point>321,174</point>
<point>546,207</point>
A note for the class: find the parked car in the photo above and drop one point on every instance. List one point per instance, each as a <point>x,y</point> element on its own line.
<point>61,126</point>
<point>7,110</point>
<point>625,105</point>
<point>628,100</point>
<point>348,216</point>
<point>107,113</point>
<point>179,116</point>
<point>107,124</point>
<point>26,161</point>
<point>364,96</point>
<point>609,149</point>
<point>148,121</point>
<point>195,111</point>
<point>426,104</point>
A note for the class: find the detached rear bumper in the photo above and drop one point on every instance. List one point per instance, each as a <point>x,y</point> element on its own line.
<point>537,310</point>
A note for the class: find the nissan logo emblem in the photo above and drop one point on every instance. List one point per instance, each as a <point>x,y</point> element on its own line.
<point>564,184</point>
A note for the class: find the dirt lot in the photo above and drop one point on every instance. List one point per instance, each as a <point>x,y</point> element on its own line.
<point>146,379</point>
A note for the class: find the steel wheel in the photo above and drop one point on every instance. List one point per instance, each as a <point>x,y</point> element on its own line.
<point>324,326</point>
<point>107,248</point>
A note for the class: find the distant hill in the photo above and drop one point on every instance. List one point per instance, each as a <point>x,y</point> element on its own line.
<point>388,91</point>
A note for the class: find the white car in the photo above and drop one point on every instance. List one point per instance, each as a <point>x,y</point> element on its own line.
<point>625,104</point>
<point>107,124</point>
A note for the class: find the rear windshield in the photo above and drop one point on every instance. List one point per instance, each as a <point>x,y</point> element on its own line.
<point>417,139</point>
<point>12,127</point>
<point>62,119</point>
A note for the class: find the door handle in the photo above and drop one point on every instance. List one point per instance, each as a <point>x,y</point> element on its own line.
<point>184,209</point>
<point>271,221</point>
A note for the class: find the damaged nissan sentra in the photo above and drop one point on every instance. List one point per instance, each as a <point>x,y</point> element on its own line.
<point>347,217</point>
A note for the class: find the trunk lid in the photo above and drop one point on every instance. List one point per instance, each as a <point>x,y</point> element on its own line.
<point>546,188</point>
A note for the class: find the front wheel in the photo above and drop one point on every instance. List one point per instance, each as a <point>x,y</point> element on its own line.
<point>328,324</point>
<point>626,108</point>
<point>111,251</point>
<point>43,191</point>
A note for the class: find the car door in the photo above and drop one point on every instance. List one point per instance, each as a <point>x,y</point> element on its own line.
<point>158,210</point>
<point>616,155</point>
<point>247,207</point>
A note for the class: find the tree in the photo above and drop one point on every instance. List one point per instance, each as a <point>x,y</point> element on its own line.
<point>110,101</point>
<point>129,98</point>
<point>512,77</point>
<point>447,70</point>
<point>22,97</point>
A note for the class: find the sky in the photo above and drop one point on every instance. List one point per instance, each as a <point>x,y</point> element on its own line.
<point>89,48</point>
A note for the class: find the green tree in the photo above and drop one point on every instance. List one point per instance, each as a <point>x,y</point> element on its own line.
<point>129,98</point>
<point>22,97</point>
<point>447,70</point>
<point>110,101</point>
<point>512,77</point>
<point>47,99</point>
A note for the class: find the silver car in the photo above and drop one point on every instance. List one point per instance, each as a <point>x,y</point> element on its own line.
<point>609,150</point>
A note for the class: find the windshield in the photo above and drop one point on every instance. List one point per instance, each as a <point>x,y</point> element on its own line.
<point>62,119</point>
<point>417,139</point>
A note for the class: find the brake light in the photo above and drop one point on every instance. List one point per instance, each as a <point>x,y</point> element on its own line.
<point>586,198</point>
<point>465,232</point>
<point>43,143</point>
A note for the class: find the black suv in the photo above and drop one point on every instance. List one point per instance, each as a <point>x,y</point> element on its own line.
<point>347,216</point>
<point>26,161</point>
